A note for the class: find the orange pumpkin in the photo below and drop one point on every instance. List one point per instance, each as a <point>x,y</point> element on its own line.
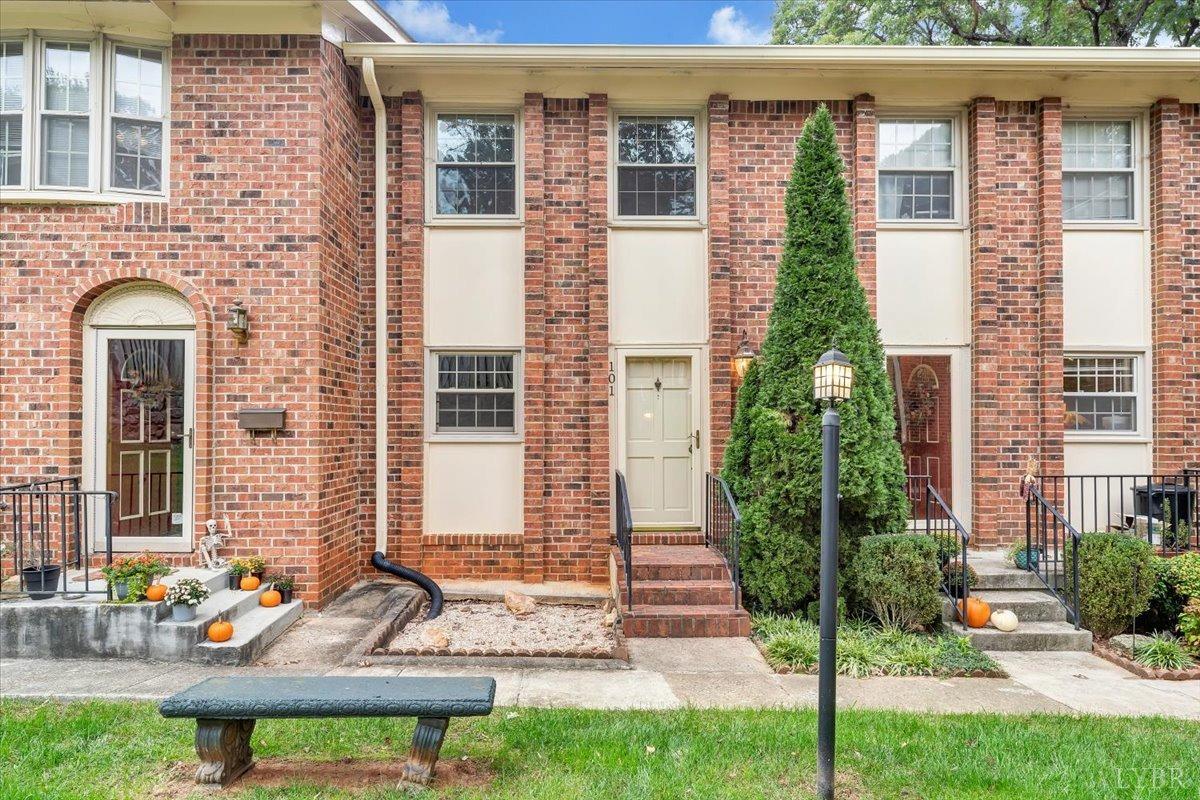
<point>978,612</point>
<point>249,583</point>
<point>220,631</point>
<point>156,592</point>
<point>270,598</point>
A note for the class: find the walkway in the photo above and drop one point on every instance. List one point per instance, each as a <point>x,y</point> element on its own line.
<point>672,673</point>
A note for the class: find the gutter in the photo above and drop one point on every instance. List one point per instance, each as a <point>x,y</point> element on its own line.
<point>381,373</point>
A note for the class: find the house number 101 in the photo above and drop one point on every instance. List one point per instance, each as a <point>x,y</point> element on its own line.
<point>612,380</point>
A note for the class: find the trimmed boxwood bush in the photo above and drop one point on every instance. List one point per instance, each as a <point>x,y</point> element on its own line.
<point>1166,601</point>
<point>897,576</point>
<point>1116,578</point>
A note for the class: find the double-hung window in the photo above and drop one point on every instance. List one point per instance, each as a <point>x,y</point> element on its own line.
<point>1098,162</point>
<point>656,166</point>
<point>476,392</point>
<point>918,162</point>
<point>81,116</point>
<point>1101,393</point>
<point>475,174</point>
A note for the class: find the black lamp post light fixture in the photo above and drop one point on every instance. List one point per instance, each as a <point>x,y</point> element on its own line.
<point>744,356</point>
<point>833,379</point>
<point>239,322</point>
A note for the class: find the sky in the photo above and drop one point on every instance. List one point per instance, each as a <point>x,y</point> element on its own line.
<point>585,21</point>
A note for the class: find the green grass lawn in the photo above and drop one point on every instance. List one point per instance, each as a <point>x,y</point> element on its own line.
<point>119,750</point>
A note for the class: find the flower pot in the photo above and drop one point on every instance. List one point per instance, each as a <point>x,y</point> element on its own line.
<point>122,590</point>
<point>260,574</point>
<point>286,595</point>
<point>182,612</point>
<point>234,580</point>
<point>41,582</point>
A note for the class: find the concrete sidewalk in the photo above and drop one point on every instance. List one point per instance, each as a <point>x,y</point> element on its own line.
<point>704,673</point>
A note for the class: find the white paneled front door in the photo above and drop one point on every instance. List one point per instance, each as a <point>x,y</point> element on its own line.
<point>660,440</point>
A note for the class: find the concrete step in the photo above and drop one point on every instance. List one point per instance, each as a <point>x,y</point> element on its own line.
<point>681,593</point>
<point>1038,636</point>
<point>252,632</point>
<point>685,621</point>
<point>677,562</point>
<point>229,603</point>
<point>995,572</point>
<point>1028,604</point>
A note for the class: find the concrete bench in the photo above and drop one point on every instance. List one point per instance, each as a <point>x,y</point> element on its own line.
<point>225,710</point>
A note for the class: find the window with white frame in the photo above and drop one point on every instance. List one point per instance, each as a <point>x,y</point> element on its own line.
<point>1098,162</point>
<point>656,166</point>
<point>476,169</point>
<point>918,165</point>
<point>476,392</point>
<point>1101,393</point>
<point>82,115</point>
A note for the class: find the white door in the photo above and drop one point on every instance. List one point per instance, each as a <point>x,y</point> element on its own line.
<point>144,381</point>
<point>660,440</point>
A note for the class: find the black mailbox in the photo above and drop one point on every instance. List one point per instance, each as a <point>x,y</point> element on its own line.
<point>262,419</point>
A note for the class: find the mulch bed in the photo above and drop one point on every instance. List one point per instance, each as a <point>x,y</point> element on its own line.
<point>1116,656</point>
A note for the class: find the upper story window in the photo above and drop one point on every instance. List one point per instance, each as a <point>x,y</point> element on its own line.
<point>656,166</point>
<point>918,165</point>
<point>1101,393</point>
<point>1098,158</point>
<point>81,116</point>
<point>476,167</point>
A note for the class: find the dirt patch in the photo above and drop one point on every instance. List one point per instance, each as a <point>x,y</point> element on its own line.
<point>476,628</point>
<point>347,774</point>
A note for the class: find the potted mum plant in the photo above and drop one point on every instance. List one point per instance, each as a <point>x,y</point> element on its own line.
<point>237,570</point>
<point>284,584</point>
<point>40,579</point>
<point>183,598</point>
<point>257,566</point>
<point>131,576</point>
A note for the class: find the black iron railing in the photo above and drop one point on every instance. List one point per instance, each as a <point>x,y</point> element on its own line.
<point>723,528</point>
<point>932,515</point>
<point>1163,509</point>
<point>625,534</point>
<point>1051,549</point>
<point>51,526</point>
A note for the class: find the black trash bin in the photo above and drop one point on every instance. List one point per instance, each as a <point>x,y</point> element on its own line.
<point>1180,498</point>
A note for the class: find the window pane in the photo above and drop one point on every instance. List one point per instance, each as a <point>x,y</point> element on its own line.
<point>12,76</point>
<point>916,143</point>
<point>481,396</point>
<point>916,195</point>
<point>476,139</point>
<point>476,190</point>
<point>1100,393</point>
<point>10,150</point>
<point>137,155</point>
<point>137,82</point>
<point>656,140</point>
<point>661,191</point>
<point>1097,145</point>
<point>67,76</point>
<point>1098,195</point>
<point>65,151</point>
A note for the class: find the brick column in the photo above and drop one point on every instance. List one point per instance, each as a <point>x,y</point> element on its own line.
<point>409,392</point>
<point>863,182</point>
<point>1170,398</point>
<point>722,338</point>
<point>1050,286</point>
<point>598,356</point>
<point>535,339</point>
<point>986,409</point>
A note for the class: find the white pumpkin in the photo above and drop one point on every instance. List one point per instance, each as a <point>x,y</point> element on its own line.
<point>1004,620</point>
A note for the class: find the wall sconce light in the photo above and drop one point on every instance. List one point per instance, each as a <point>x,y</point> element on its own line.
<point>744,356</point>
<point>239,323</point>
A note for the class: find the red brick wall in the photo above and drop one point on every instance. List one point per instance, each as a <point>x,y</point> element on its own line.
<point>1179,443</point>
<point>534,367</point>
<point>723,339</point>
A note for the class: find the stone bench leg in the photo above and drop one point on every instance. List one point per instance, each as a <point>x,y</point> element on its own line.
<point>224,749</point>
<point>426,744</point>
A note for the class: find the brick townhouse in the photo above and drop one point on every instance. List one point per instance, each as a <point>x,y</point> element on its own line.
<point>200,209</point>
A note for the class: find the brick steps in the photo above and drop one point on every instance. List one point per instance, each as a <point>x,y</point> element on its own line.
<point>667,538</point>
<point>679,591</point>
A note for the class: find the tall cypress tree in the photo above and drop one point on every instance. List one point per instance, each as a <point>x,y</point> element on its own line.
<point>773,461</point>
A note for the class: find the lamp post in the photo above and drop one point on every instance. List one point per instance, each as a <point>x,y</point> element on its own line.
<point>833,377</point>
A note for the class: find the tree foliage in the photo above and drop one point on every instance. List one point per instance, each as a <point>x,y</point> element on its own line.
<point>1117,23</point>
<point>773,461</point>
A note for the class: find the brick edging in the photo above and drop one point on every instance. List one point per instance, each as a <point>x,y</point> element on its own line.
<point>1114,656</point>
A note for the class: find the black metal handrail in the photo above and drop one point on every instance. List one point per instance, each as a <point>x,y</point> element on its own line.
<point>49,523</point>
<point>1163,508</point>
<point>1046,553</point>
<point>625,534</point>
<point>723,528</point>
<point>932,513</point>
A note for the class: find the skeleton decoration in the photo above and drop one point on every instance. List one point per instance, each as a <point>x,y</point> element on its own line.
<point>210,542</point>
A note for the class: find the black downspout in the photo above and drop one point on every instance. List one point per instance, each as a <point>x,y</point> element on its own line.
<point>419,578</point>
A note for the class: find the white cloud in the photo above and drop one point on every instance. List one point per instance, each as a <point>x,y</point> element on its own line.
<point>429,21</point>
<point>730,26</point>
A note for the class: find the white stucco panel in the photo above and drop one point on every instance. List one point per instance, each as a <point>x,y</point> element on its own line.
<point>658,286</point>
<point>922,280</point>
<point>475,290</point>
<point>475,487</point>
<point>1105,289</point>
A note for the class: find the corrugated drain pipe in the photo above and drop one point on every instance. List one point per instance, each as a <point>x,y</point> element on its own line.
<point>379,559</point>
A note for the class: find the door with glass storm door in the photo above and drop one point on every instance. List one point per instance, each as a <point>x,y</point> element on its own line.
<point>146,379</point>
<point>660,440</point>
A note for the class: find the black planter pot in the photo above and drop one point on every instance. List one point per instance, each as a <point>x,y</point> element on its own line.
<point>234,580</point>
<point>41,582</point>
<point>285,595</point>
<point>260,574</point>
